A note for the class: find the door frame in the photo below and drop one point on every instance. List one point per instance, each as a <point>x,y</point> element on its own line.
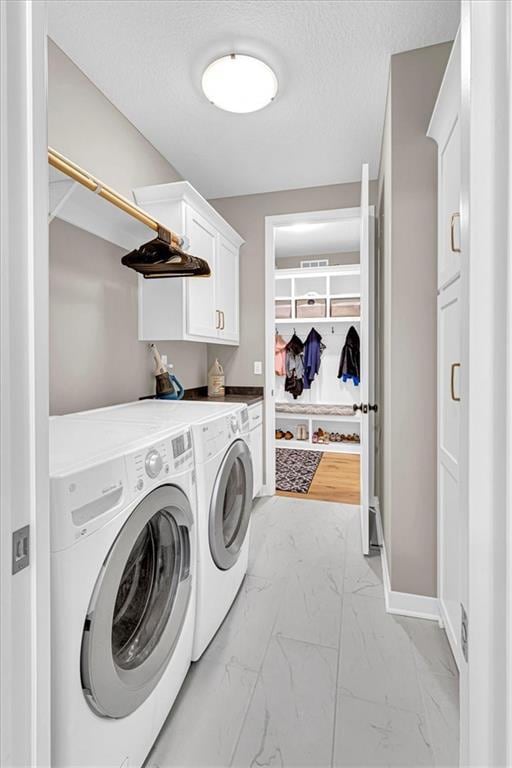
<point>486,461</point>
<point>24,482</point>
<point>272,224</point>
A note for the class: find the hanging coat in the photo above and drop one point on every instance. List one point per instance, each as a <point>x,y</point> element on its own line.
<point>294,382</point>
<point>349,361</point>
<point>280,356</point>
<point>312,353</point>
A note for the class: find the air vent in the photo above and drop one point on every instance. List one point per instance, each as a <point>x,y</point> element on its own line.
<point>314,264</point>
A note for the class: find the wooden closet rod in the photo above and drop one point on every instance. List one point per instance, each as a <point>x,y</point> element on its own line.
<point>78,174</point>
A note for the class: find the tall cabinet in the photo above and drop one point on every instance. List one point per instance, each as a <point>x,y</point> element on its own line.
<point>445,130</point>
<point>192,309</point>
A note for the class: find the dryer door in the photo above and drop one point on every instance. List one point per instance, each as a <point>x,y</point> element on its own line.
<point>231,504</point>
<point>139,604</point>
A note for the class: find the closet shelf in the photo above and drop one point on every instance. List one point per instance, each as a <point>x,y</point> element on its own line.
<point>314,320</point>
<point>317,417</point>
<point>307,445</point>
<point>76,205</point>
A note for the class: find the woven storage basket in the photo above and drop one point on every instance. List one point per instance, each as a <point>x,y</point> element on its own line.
<point>311,308</point>
<point>345,308</point>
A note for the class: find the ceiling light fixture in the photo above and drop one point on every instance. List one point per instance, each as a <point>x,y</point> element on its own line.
<point>239,83</point>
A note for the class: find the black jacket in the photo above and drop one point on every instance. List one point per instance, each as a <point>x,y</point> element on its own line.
<point>350,358</point>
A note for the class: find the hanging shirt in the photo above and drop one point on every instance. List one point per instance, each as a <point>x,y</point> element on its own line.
<point>312,355</point>
<point>349,361</point>
<point>294,382</point>
<point>280,356</point>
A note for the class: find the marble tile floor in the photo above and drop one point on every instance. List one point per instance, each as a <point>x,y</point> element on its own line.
<point>308,669</point>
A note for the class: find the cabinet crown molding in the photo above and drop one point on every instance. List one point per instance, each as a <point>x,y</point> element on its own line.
<point>183,191</point>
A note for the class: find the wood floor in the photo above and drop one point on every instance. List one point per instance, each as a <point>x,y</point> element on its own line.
<point>336,479</point>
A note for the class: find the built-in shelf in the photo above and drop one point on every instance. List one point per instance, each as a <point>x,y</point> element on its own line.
<point>285,416</point>
<point>315,320</point>
<point>307,445</point>
<point>73,203</point>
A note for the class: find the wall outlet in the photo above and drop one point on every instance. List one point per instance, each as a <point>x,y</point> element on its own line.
<point>258,367</point>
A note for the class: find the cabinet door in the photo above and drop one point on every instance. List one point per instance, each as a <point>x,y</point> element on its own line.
<point>227,288</point>
<point>257,459</point>
<point>449,512</point>
<point>201,317</point>
<point>449,204</point>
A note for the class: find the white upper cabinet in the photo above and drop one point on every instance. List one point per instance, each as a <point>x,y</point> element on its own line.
<point>192,308</point>
<point>227,286</point>
<point>201,299</point>
<point>444,128</point>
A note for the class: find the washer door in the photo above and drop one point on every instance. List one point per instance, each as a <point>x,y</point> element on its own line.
<point>231,504</point>
<point>139,604</point>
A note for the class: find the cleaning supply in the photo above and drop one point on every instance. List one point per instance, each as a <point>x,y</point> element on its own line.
<point>167,385</point>
<point>216,380</point>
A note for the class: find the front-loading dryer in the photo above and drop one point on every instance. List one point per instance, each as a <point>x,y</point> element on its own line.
<point>123,541</point>
<point>220,434</point>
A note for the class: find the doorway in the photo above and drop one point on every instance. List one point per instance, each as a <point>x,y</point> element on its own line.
<point>319,348</point>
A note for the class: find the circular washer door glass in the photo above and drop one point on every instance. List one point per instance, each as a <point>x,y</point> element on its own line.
<point>147,591</point>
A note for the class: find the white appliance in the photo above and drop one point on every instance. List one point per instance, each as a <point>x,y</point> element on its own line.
<point>220,434</point>
<point>123,508</point>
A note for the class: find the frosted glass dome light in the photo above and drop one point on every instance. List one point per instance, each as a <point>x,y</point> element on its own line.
<point>239,83</point>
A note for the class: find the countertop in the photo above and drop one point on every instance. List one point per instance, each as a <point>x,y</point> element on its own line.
<point>248,395</point>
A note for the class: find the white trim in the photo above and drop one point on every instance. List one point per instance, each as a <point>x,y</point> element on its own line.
<point>183,191</point>
<point>24,482</point>
<point>271,224</point>
<point>404,603</point>
<point>485,46</point>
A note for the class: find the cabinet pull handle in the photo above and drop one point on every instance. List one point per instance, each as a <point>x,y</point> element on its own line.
<point>222,318</point>
<point>217,319</point>
<point>452,382</point>
<point>452,232</point>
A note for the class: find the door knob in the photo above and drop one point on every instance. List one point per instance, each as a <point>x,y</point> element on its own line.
<point>365,407</point>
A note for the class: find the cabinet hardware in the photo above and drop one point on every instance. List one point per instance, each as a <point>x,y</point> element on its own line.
<point>452,232</point>
<point>217,319</point>
<point>452,382</point>
<point>222,319</point>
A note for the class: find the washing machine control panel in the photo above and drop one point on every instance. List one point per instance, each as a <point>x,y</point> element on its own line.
<point>152,464</point>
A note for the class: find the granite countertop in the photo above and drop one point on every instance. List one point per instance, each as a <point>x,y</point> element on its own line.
<point>248,395</point>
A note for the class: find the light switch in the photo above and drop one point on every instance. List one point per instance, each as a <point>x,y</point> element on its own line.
<point>258,367</point>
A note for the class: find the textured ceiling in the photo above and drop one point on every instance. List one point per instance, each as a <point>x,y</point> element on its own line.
<point>331,58</point>
<point>330,237</point>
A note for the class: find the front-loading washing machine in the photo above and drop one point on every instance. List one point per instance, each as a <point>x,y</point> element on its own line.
<point>220,434</point>
<point>123,558</point>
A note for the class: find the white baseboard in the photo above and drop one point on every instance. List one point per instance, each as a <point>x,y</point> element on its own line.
<point>405,603</point>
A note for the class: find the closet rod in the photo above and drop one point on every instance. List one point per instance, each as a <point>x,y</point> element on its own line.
<point>62,164</point>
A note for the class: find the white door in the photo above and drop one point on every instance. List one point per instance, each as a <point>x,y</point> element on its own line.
<point>227,289</point>
<point>367,368</point>
<point>202,318</point>
<point>449,521</point>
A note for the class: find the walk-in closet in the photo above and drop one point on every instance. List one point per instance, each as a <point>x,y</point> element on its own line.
<point>317,358</point>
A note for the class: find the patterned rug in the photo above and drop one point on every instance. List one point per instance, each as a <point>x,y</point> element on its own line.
<point>295,469</point>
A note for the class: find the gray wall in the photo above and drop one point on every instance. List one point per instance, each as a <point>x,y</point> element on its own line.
<point>247,215</point>
<point>93,298</point>
<point>347,257</point>
<point>86,127</point>
<point>95,358</point>
<point>408,182</point>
